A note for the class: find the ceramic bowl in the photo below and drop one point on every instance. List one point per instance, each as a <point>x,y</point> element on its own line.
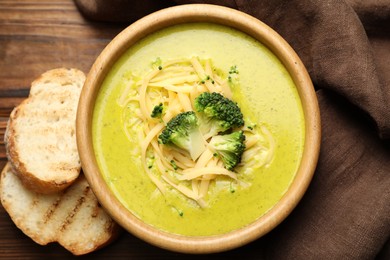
<point>256,29</point>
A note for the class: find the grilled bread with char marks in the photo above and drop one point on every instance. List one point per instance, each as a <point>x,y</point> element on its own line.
<point>72,217</point>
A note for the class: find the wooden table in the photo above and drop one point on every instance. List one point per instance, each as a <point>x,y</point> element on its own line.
<point>36,36</point>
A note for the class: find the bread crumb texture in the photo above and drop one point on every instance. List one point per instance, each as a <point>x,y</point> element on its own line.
<point>72,217</point>
<point>41,134</point>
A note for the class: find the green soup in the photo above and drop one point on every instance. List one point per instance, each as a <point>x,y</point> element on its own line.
<point>266,94</point>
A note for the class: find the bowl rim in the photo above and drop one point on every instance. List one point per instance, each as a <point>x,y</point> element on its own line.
<point>188,14</point>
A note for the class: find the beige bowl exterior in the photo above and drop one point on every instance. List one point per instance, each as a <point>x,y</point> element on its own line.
<point>256,29</point>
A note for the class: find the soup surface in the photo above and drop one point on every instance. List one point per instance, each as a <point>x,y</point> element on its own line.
<point>267,97</point>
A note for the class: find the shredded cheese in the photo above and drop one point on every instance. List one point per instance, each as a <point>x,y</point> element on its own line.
<point>175,85</point>
<point>194,173</point>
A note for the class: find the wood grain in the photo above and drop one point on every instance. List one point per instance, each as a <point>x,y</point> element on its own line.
<point>36,36</point>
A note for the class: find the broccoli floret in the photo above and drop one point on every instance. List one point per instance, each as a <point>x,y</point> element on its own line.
<point>157,111</point>
<point>174,165</point>
<point>233,70</point>
<point>183,131</point>
<point>157,63</point>
<point>217,113</point>
<point>229,148</point>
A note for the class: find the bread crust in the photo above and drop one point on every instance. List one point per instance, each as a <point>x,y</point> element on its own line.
<point>42,187</point>
<point>72,217</point>
<point>59,174</point>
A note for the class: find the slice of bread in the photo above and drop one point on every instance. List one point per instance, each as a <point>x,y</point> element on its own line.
<point>40,138</point>
<point>72,217</point>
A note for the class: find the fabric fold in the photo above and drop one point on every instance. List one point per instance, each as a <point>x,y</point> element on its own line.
<point>345,213</point>
<point>345,45</point>
<point>332,43</point>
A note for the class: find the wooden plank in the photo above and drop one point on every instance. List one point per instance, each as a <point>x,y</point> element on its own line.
<point>3,157</point>
<point>35,36</point>
<point>29,57</point>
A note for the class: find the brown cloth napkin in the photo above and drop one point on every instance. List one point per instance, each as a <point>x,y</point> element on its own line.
<point>345,45</point>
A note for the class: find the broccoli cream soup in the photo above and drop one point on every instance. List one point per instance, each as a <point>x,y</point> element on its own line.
<point>198,129</point>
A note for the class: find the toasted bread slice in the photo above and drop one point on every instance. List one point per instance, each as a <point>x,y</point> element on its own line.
<point>40,138</point>
<point>72,217</point>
